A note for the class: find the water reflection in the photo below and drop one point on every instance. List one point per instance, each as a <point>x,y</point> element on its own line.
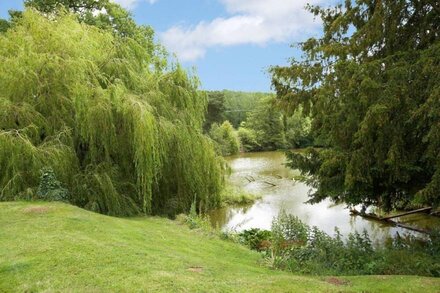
<point>265,174</point>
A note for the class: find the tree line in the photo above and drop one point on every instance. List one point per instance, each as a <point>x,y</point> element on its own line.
<point>239,121</point>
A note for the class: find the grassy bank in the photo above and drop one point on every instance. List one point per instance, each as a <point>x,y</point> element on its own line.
<point>58,247</point>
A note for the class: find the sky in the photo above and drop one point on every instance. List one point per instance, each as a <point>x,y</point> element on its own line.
<point>230,43</point>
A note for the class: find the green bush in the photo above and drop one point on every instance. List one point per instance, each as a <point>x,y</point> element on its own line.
<point>266,121</point>
<point>226,138</point>
<point>300,248</point>
<point>248,139</point>
<point>255,239</point>
<point>298,130</point>
<point>50,188</point>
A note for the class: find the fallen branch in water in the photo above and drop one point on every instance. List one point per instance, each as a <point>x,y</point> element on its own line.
<point>269,183</point>
<point>387,220</point>
<point>409,213</point>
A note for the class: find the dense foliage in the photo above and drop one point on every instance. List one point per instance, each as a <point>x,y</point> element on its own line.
<point>300,248</point>
<point>267,123</point>
<point>292,245</point>
<point>4,25</point>
<point>215,112</point>
<point>371,84</point>
<point>255,239</point>
<point>50,189</point>
<point>248,139</point>
<point>120,130</point>
<point>239,104</point>
<point>260,124</point>
<point>267,128</point>
<point>231,106</point>
<point>297,130</point>
<point>226,138</point>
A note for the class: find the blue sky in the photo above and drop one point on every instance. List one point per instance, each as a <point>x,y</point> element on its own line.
<point>231,43</point>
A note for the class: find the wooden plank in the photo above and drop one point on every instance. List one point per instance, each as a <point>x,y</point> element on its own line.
<point>423,210</point>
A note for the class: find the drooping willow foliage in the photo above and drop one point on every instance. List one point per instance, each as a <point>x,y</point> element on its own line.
<point>121,134</point>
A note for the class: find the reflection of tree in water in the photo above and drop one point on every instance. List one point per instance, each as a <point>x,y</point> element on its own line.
<point>421,221</point>
<point>249,171</point>
<point>239,225</point>
<point>221,217</point>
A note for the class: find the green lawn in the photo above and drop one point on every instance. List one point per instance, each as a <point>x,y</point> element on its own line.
<point>56,247</point>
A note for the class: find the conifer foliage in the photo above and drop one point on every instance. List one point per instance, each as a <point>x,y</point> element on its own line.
<point>372,86</point>
<point>121,130</point>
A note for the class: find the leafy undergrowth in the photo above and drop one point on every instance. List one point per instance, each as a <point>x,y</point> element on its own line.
<point>294,246</point>
<point>57,247</point>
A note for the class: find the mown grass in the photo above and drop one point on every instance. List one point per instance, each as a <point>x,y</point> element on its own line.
<point>56,247</point>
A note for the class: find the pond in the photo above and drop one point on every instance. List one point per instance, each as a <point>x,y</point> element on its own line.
<point>266,175</point>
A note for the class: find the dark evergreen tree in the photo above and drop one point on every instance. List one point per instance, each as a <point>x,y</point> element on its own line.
<point>226,138</point>
<point>372,86</point>
<point>239,104</point>
<point>4,25</point>
<point>216,109</point>
<point>267,123</point>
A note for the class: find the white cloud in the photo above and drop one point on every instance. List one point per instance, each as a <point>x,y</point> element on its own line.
<point>132,3</point>
<point>251,22</point>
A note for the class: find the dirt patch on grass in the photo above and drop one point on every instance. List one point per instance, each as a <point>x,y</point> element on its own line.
<point>337,282</point>
<point>195,269</point>
<point>36,210</point>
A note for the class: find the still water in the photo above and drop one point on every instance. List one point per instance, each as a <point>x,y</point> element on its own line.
<point>265,174</point>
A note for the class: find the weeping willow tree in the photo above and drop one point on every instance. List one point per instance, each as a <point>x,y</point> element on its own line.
<point>121,133</point>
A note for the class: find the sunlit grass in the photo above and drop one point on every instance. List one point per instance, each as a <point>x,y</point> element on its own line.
<point>55,247</point>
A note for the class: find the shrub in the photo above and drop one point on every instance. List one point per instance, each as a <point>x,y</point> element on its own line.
<point>50,188</point>
<point>248,139</point>
<point>267,123</point>
<point>226,138</point>
<point>255,239</point>
<point>298,130</point>
<point>299,248</point>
